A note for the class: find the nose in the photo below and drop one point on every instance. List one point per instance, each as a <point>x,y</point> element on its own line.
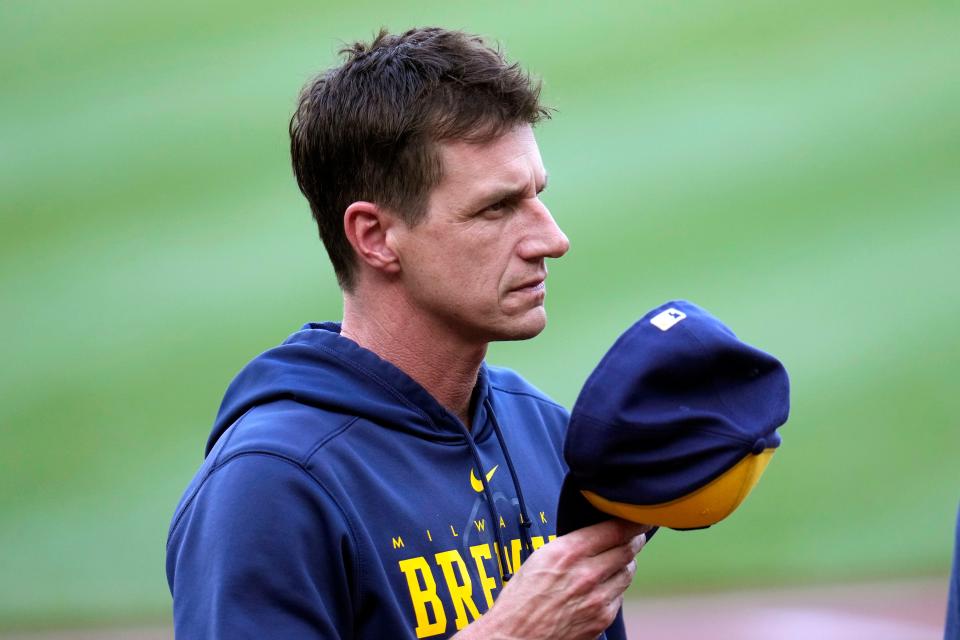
<point>543,238</point>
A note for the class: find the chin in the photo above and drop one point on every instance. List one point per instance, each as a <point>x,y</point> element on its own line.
<point>524,328</point>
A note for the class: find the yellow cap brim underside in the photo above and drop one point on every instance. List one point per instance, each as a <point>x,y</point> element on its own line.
<point>707,505</point>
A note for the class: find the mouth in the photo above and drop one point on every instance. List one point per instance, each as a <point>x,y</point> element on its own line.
<point>535,286</point>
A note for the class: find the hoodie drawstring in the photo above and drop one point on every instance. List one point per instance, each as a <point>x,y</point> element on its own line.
<point>525,522</point>
<point>505,572</point>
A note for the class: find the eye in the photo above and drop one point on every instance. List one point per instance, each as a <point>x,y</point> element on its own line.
<point>497,209</point>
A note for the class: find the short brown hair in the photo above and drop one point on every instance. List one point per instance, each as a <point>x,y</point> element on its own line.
<point>368,129</point>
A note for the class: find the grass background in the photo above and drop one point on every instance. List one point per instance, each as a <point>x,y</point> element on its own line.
<point>791,166</point>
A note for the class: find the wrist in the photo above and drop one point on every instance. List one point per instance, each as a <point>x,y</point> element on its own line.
<point>483,628</point>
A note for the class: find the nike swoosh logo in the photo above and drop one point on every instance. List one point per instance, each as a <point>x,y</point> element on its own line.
<point>475,482</point>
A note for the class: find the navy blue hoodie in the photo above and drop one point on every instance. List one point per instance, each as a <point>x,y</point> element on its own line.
<point>339,499</point>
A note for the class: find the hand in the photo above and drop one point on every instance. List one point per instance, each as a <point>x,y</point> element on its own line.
<point>570,589</point>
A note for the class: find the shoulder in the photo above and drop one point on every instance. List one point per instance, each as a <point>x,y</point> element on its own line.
<point>285,428</point>
<point>265,454</point>
<point>266,450</point>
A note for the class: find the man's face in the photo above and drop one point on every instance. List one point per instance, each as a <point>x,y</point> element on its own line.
<point>476,262</point>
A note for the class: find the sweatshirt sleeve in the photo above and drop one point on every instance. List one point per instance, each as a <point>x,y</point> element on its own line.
<point>261,551</point>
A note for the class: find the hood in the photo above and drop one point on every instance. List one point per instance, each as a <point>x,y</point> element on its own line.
<point>318,367</point>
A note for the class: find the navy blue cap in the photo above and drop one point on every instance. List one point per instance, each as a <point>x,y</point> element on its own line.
<point>676,403</point>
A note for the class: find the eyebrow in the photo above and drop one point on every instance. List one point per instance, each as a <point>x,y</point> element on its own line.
<point>512,192</point>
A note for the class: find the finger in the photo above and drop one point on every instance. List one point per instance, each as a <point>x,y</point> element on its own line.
<point>611,596</point>
<point>612,609</point>
<point>600,537</point>
<point>615,560</point>
<point>616,585</point>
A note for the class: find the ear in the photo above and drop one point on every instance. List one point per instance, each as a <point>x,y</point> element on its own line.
<point>369,229</point>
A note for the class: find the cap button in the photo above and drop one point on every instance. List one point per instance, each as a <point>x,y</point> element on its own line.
<point>759,445</point>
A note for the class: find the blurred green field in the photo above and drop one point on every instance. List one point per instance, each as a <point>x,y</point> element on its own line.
<point>793,167</point>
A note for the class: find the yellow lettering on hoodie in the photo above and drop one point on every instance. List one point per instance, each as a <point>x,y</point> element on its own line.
<point>461,589</point>
<point>537,542</point>
<point>481,525</point>
<point>506,561</point>
<point>515,546</point>
<point>481,552</point>
<point>397,542</point>
<point>427,624</point>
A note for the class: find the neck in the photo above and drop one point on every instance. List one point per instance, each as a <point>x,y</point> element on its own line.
<point>420,345</point>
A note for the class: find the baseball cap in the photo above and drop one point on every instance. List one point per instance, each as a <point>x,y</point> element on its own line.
<point>674,427</point>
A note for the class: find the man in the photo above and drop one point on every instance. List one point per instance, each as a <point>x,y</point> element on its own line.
<point>375,478</point>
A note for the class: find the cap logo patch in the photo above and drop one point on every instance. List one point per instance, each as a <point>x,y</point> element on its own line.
<point>667,318</point>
